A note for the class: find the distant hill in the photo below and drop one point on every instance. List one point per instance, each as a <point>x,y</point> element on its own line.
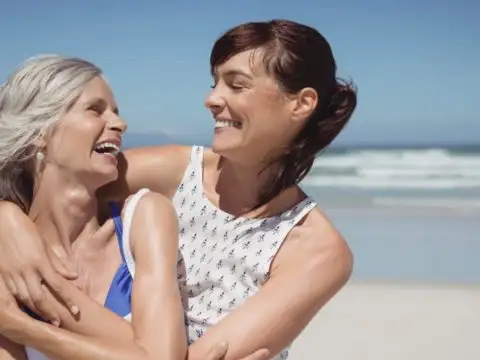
<point>147,139</point>
<point>132,139</point>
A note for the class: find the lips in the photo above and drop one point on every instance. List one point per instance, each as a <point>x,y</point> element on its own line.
<point>227,123</point>
<point>111,147</point>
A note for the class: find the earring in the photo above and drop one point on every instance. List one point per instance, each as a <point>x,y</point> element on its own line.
<point>40,156</point>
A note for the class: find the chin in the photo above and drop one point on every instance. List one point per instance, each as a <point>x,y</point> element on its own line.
<point>221,149</point>
<point>104,177</point>
<point>223,146</point>
<point>111,176</point>
<point>231,152</point>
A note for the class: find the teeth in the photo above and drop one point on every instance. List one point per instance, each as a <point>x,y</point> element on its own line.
<point>223,123</point>
<point>110,147</point>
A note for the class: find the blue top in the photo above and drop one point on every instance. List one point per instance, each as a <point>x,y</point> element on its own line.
<point>120,293</point>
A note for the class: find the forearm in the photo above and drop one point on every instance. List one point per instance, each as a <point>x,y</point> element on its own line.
<point>94,321</point>
<point>100,324</point>
<point>59,344</point>
<point>263,323</point>
<point>166,336</point>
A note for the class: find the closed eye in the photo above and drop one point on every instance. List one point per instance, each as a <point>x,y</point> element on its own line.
<point>95,108</point>
<point>97,105</point>
<point>237,87</point>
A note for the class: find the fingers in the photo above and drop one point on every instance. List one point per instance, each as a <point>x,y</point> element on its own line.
<point>22,292</point>
<point>68,272</point>
<point>30,291</point>
<point>218,352</point>
<point>10,285</point>
<point>31,294</point>
<point>262,354</point>
<point>57,285</point>
<point>38,297</point>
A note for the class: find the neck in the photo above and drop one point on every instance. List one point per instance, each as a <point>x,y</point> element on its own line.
<point>62,209</point>
<point>240,184</point>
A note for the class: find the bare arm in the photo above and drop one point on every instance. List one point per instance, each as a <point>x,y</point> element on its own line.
<point>157,311</point>
<point>159,168</point>
<point>8,349</point>
<point>157,318</point>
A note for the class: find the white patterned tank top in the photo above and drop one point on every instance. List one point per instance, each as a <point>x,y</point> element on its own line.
<point>222,260</point>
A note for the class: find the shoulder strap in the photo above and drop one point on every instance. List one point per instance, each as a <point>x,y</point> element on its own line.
<point>193,175</point>
<point>196,155</point>
<point>125,247</point>
<point>117,220</point>
<point>196,164</point>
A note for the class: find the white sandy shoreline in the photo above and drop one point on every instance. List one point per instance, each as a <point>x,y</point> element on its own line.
<point>370,321</point>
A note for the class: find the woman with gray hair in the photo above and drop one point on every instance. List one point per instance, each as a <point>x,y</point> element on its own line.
<point>60,134</point>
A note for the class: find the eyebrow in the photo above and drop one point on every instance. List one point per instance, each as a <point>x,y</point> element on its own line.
<point>236,72</point>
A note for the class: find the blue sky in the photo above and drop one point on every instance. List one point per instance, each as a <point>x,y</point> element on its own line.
<point>416,63</point>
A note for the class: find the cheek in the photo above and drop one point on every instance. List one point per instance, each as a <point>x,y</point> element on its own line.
<point>75,135</point>
<point>268,113</point>
<point>253,105</point>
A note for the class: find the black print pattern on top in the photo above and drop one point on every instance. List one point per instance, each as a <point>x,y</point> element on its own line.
<point>222,261</point>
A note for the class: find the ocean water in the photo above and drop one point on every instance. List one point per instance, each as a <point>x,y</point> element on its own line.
<point>409,214</point>
<point>422,178</point>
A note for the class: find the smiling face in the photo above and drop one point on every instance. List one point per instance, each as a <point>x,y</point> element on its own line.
<point>86,141</point>
<point>253,116</point>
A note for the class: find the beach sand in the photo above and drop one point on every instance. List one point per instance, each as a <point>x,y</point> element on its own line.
<point>382,321</point>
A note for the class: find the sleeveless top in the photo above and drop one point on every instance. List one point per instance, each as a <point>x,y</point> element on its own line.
<point>119,294</point>
<point>223,260</point>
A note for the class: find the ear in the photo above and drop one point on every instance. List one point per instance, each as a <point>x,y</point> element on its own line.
<point>305,104</point>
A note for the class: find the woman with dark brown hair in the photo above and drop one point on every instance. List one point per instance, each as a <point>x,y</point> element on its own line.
<point>259,258</point>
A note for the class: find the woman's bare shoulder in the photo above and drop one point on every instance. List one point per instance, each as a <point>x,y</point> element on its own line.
<point>317,245</point>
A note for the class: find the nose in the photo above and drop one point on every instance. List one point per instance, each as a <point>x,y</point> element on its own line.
<point>117,124</point>
<point>215,101</point>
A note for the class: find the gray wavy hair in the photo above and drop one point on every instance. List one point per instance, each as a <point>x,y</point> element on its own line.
<point>32,100</point>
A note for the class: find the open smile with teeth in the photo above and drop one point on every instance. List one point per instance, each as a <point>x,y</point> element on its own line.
<point>107,148</point>
<point>225,124</point>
